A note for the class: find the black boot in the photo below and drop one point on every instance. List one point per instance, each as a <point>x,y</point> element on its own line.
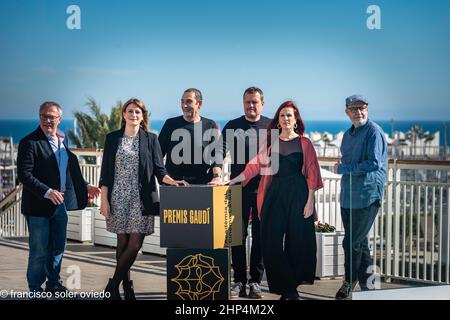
<point>113,289</point>
<point>128,290</point>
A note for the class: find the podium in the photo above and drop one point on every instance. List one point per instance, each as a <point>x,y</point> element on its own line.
<point>203,217</point>
<point>198,225</point>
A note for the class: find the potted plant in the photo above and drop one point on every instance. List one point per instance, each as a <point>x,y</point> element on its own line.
<point>324,227</point>
<point>330,254</point>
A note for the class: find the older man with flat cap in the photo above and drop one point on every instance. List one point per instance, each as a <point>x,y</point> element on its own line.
<point>363,168</point>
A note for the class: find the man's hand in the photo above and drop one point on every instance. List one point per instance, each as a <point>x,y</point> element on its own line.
<point>217,181</point>
<point>93,190</point>
<point>180,183</point>
<point>56,197</point>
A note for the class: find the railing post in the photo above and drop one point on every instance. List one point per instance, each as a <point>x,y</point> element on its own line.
<point>396,216</point>
<point>433,217</point>
<point>440,235</point>
<point>447,239</point>
<point>411,221</point>
<point>389,197</point>
<point>418,233</point>
<point>425,232</point>
<point>98,158</point>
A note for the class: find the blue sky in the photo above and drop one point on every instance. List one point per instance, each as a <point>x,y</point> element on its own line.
<point>316,52</point>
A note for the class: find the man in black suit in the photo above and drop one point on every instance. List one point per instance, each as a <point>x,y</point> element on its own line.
<point>52,184</point>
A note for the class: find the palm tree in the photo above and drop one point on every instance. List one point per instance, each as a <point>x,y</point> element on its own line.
<point>427,139</point>
<point>326,139</point>
<point>413,135</point>
<point>93,127</point>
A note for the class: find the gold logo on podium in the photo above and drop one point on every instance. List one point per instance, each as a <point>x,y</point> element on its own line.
<point>198,278</point>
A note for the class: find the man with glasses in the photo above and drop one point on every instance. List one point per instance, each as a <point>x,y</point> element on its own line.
<point>363,168</point>
<point>52,184</point>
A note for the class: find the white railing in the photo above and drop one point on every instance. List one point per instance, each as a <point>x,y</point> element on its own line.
<point>93,153</point>
<point>91,173</point>
<point>400,151</point>
<point>411,234</point>
<point>415,236</point>
<point>12,222</point>
<point>410,237</point>
<point>328,204</point>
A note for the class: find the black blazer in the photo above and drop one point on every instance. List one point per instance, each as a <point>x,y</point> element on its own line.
<point>38,171</point>
<point>151,165</point>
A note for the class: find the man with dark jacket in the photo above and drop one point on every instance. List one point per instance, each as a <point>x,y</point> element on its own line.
<point>52,184</point>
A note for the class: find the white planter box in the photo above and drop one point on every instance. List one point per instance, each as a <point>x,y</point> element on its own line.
<point>106,238</point>
<point>79,225</point>
<point>330,254</point>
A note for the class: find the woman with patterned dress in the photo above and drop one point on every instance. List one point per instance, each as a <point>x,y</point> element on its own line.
<point>290,174</point>
<point>131,161</point>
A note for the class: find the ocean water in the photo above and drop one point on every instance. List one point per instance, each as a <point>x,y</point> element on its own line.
<point>20,128</point>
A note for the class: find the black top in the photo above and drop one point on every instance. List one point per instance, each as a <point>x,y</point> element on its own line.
<point>249,137</point>
<point>290,146</point>
<point>150,166</point>
<point>185,158</point>
<point>290,157</point>
<point>38,171</point>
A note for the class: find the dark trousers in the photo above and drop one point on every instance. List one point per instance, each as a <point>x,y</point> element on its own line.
<point>239,253</point>
<point>359,255</point>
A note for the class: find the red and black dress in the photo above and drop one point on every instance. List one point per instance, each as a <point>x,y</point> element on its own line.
<point>288,239</point>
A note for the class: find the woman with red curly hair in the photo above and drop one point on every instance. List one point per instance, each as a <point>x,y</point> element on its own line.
<point>290,174</point>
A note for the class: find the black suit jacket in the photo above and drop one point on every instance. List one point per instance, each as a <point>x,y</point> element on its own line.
<point>38,171</point>
<point>151,165</point>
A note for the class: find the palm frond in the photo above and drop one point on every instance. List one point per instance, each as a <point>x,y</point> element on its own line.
<point>92,127</point>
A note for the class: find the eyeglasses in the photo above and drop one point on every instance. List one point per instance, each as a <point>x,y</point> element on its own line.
<point>49,118</point>
<point>357,108</point>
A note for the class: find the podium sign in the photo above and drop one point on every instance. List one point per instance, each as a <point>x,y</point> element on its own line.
<point>194,274</point>
<point>201,216</point>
